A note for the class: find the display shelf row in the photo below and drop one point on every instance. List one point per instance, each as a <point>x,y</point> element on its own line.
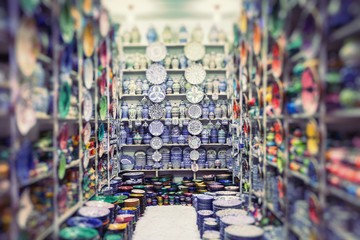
<point>174,145</point>
<point>340,194</point>
<point>143,71</point>
<point>170,45</point>
<point>172,95</point>
<point>180,170</point>
<point>186,119</point>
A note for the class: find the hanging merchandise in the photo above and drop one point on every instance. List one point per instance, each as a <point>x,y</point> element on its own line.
<point>87,105</point>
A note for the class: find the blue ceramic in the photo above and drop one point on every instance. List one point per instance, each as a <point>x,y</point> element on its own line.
<point>145,111</point>
<point>147,138</point>
<point>205,111</point>
<point>183,34</point>
<point>125,110</point>
<point>84,222</point>
<point>183,61</point>
<point>168,109</point>
<point>213,135</point>
<point>152,35</point>
<point>212,107</point>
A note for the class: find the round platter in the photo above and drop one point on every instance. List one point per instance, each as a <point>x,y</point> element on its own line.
<point>156,74</point>
<point>194,142</point>
<point>88,73</point>
<point>157,93</point>
<point>156,143</point>
<point>156,156</point>
<point>86,133</point>
<point>195,127</point>
<point>156,128</point>
<point>156,111</point>
<point>194,155</point>
<point>156,52</point>
<point>87,105</point>
<point>195,74</point>
<point>195,94</point>
<point>194,51</point>
<point>194,111</point>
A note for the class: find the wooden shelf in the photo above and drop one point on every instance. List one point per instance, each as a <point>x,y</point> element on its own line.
<point>172,45</point>
<point>36,179</point>
<point>75,163</point>
<point>341,194</point>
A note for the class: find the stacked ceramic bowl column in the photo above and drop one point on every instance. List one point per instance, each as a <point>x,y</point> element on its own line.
<point>186,158</point>
<point>176,157</point>
<point>165,153</point>
<point>149,160</point>
<point>140,160</point>
<point>229,212</point>
<point>239,220</point>
<point>204,202</point>
<point>201,215</point>
<point>210,224</point>
<point>245,232</point>
<point>102,214</point>
<point>226,203</point>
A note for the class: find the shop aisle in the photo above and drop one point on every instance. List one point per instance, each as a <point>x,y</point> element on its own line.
<point>167,222</point>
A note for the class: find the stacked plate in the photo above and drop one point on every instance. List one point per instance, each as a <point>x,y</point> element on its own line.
<point>176,157</point>
<point>229,212</point>
<point>133,178</point>
<point>208,224</point>
<point>165,153</point>
<point>246,232</point>
<point>149,160</point>
<point>204,202</point>
<point>140,159</point>
<point>239,220</point>
<point>227,203</point>
<point>201,215</point>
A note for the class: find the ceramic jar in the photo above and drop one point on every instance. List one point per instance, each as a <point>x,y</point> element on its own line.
<point>175,111</point>
<point>183,61</point>
<point>183,35</point>
<point>211,107</point>
<point>123,135</point>
<point>145,86</point>
<point>137,62</point>
<point>213,135</point>
<point>218,111</point>
<point>125,86</point>
<point>197,34</point>
<point>165,136</point>
<point>212,63</point>
<point>167,35</point>
<point>182,109</point>
<point>138,89</point>
<point>216,84</point>
<point>206,61</point>
<point>147,138</point>
<point>126,37</point>
<point>125,111</point>
<point>139,111</point>
<point>176,86</point>
<point>135,35</point>
<point>205,111</point>
<point>152,35</point>
<point>219,61</point>
<point>137,138</point>
<point>132,87</point>
<point>167,61</point>
<point>213,34</point>
<point>132,112</point>
<point>224,109</point>
<point>222,136</point>
<point>223,85</point>
<point>168,109</point>
<point>145,111</point>
<point>205,136</point>
<point>175,133</point>
<point>143,62</point>
<point>169,85</point>
<point>130,61</point>
<point>181,139</point>
<point>129,139</point>
<point>185,133</point>
<point>175,62</point>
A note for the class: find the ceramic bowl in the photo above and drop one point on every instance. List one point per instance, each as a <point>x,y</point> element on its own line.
<point>127,166</point>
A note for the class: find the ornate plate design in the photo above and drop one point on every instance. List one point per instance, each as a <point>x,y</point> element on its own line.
<point>194,155</point>
<point>194,142</point>
<point>88,73</point>
<point>194,51</point>
<point>195,94</point>
<point>156,52</point>
<point>157,93</point>
<point>156,74</point>
<point>87,105</point>
<point>157,156</point>
<point>195,74</point>
<point>195,127</point>
<point>156,143</point>
<point>194,111</point>
<point>156,111</point>
<point>156,128</point>
<point>86,133</point>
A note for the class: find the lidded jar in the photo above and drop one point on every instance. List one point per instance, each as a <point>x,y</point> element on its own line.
<point>222,136</point>
<point>138,89</point>
<point>137,138</point>
<point>125,110</point>
<point>218,111</point>
<point>175,111</point>
<point>132,112</point>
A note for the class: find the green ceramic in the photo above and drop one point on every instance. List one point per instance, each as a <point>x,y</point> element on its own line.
<point>103,107</point>
<point>64,99</point>
<point>78,233</point>
<point>67,26</point>
<point>29,6</point>
<point>101,132</point>
<point>62,166</point>
<point>112,237</point>
<point>107,199</point>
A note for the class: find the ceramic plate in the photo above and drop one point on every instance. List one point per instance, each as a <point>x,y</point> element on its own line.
<point>29,6</point>
<point>66,22</point>
<point>104,23</point>
<point>103,107</point>
<point>194,51</point>
<point>86,133</point>
<point>156,156</point>
<point>88,40</point>
<point>25,114</point>
<point>156,111</point>
<point>156,52</point>
<point>64,99</point>
<point>194,167</point>
<point>195,127</point>
<point>88,73</point>
<point>86,159</point>
<point>62,166</point>
<point>157,93</point>
<point>194,155</point>
<point>101,149</point>
<point>113,108</point>
<point>78,19</point>
<point>195,94</point>
<point>156,143</point>
<point>310,91</point>
<point>63,136</point>
<point>194,111</point>
<point>27,46</point>
<point>93,212</point>
<point>156,74</point>
<point>105,55</point>
<point>87,105</point>
<point>156,128</point>
<point>257,38</point>
<point>101,131</point>
<point>195,74</point>
<point>194,142</point>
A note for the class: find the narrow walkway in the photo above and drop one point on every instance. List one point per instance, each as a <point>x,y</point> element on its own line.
<point>167,222</point>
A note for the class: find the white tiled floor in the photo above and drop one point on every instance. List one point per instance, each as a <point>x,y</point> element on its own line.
<point>167,223</point>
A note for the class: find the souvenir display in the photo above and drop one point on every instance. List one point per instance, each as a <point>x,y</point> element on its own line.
<point>156,52</point>
<point>156,143</point>
<point>195,74</point>
<point>156,74</point>
<point>104,23</point>
<point>195,94</point>
<point>310,91</point>
<point>156,128</point>
<point>194,111</point>
<point>195,127</point>
<point>157,156</point>
<point>157,93</point>
<point>194,51</point>
<point>194,155</point>
<point>156,111</point>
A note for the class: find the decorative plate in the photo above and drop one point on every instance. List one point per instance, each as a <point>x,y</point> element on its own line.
<point>194,155</point>
<point>195,74</point>
<point>88,73</point>
<point>156,143</point>
<point>26,116</point>
<point>156,111</point>
<point>101,131</point>
<point>67,27</point>
<point>194,142</point>
<point>87,6</point>
<point>195,94</point>
<point>195,127</point>
<point>156,156</point>
<point>211,153</point>
<point>310,91</point>
<point>194,111</point>
<point>194,167</point>
<point>88,40</point>
<point>27,46</point>
<point>87,105</point>
<point>313,137</point>
<point>157,93</point>
<point>103,107</point>
<point>86,159</point>
<point>194,51</point>
<point>63,136</point>
<point>64,99</point>
<point>156,128</point>
<point>156,74</point>
<point>86,132</point>
<point>101,149</point>
<point>62,166</point>
<point>156,52</point>
<point>104,23</point>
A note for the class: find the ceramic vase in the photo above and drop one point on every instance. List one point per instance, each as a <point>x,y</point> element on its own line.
<point>152,35</point>
<point>125,111</point>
